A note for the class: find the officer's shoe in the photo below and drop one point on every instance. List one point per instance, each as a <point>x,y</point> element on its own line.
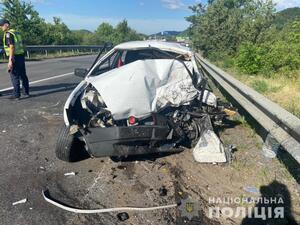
<point>14,98</point>
<point>26,95</point>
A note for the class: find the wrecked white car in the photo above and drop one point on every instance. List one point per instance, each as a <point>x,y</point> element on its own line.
<point>141,97</point>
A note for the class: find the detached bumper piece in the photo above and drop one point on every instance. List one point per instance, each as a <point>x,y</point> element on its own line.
<point>122,141</point>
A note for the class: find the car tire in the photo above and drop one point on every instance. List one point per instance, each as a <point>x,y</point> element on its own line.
<point>69,148</point>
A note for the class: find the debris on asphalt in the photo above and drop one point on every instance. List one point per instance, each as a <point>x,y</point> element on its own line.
<point>163,191</point>
<point>93,211</point>
<point>252,190</point>
<point>19,125</point>
<point>20,202</point>
<point>4,131</point>
<point>41,168</point>
<point>123,216</point>
<point>70,174</point>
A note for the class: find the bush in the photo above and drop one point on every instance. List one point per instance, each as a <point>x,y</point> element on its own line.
<point>278,56</point>
<point>281,57</point>
<point>249,58</point>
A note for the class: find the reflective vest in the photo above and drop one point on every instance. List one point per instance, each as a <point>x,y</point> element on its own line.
<point>19,48</point>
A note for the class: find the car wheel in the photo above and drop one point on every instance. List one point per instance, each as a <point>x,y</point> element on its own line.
<point>69,148</point>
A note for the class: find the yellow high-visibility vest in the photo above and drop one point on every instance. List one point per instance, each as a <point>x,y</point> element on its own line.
<point>19,47</point>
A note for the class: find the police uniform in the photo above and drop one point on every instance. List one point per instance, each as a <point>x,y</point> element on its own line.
<point>12,37</point>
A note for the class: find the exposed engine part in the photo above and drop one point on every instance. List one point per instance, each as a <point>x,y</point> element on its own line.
<point>92,102</point>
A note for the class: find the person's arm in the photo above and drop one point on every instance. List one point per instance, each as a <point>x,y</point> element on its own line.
<point>10,42</point>
<point>11,57</point>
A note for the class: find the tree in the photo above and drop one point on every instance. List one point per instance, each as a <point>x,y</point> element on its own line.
<point>58,33</point>
<point>124,33</point>
<point>104,33</point>
<point>35,30</point>
<point>25,19</point>
<point>223,25</point>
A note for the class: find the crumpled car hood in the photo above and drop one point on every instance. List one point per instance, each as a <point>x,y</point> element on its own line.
<point>145,86</point>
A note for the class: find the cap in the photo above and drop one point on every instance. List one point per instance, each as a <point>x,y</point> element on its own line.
<point>3,21</point>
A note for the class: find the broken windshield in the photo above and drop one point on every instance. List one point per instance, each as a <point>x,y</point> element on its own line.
<point>123,57</point>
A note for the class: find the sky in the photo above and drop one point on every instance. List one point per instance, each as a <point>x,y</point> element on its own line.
<point>145,16</point>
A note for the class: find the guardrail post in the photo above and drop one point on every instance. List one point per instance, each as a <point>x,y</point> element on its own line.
<point>60,52</point>
<point>46,52</point>
<point>28,55</point>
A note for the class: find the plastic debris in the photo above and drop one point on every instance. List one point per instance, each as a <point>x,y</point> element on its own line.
<point>41,169</point>
<point>70,174</point>
<point>20,202</point>
<point>209,149</point>
<point>4,131</point>
<point>123,216</point>
<point>252,190</point>
<point>270,147</point>
<point>93,211</point>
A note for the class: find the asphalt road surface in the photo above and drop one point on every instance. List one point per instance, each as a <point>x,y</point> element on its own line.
<point>28,133</point>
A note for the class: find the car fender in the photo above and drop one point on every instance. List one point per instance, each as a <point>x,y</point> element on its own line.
<point>72,98</point>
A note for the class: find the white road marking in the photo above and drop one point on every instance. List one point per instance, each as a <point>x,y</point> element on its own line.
<point>42,80</point>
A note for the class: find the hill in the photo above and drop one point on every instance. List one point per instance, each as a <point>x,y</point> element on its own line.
<point>286,16</point>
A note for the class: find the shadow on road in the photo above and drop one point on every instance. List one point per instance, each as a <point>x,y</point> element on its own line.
<point>37,91</point>
<point>281,201</point>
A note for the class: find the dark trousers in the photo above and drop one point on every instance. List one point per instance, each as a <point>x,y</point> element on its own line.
<point>19,73</point>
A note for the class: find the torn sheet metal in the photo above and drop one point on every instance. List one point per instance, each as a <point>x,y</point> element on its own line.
<point>209,149</point>
<point>93,211</point>
<point>145,86</point>
<point>209,98</point>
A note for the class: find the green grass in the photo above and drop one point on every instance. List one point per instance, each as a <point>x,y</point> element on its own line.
<point>260,86</point>
<point>282,88</point>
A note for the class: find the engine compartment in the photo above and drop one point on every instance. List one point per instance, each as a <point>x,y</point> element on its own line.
<point>170,129</point>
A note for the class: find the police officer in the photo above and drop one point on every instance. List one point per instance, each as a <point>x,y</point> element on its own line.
<point>14,49</point>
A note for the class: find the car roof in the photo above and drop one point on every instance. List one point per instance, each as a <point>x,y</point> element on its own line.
<point>163,45</point>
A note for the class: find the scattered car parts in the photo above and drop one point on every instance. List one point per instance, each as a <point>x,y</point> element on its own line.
<point>93,211</point>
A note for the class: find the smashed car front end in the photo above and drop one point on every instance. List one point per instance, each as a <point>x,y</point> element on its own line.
<point>144,106</point>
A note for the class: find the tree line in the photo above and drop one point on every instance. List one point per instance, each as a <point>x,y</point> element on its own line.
<point>248,34</point>
<point>36,31</point>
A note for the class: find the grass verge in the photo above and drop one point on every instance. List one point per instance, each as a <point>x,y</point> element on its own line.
<point>280,88</point>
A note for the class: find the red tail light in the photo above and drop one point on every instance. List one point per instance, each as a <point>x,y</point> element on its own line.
<point>132,120</point>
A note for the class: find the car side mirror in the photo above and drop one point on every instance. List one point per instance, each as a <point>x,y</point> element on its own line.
<point>80,72</point>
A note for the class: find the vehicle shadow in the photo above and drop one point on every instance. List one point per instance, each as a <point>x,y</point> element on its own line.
<point>226,124</point>
<point>37,91</point>
<point>264,212</point>
<point>147,157</point>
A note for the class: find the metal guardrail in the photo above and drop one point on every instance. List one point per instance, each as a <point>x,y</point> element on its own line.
<point>282,125</point>
<point>52,48</point>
